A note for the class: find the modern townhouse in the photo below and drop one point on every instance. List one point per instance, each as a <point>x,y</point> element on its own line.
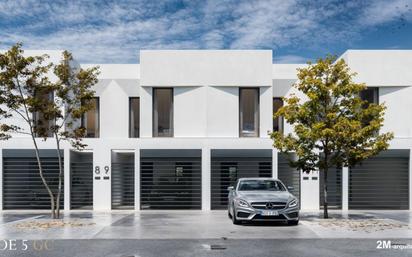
<point>175,130</point>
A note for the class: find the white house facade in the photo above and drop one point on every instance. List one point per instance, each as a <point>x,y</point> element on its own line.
<point>175,130</point>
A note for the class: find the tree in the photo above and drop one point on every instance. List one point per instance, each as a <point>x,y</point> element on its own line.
<point>332,125</point>
<point>46,108</point>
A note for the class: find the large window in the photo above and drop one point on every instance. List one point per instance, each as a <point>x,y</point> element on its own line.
<point>163,112</point>
<point>90,120</point>
<point>277,121</point>
<point>43,125</point>
<point>134,116</point>
<point>249,112</point>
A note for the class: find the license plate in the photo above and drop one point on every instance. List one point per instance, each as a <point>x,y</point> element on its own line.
<point>270,213</point>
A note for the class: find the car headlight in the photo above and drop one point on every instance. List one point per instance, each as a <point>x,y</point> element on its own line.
<point>293,203</point>
<point>242,203</point>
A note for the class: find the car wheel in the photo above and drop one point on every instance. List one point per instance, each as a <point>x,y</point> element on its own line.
<point>234,219</point>
<point>293,222</point>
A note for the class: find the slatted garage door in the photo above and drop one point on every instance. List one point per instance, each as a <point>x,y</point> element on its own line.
<point>227,169</point>
<point>288,175</point>
<point>334,188</point>
<point>81,189</point>
<point>22,185</point>
<point>381,182</point>
<point>170,179</point>
<point>122,180</point>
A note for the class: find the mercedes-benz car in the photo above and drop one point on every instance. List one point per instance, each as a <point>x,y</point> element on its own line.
<point>262,199</point>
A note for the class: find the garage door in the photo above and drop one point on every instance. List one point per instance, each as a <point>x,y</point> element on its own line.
<point>227,169</point>
<point>288,175</point>
<point>170,179</point>
<point>381,182</point>
<point>122,180</point>
<point>81,174</point>
<point>22,185</point>
<point>334,188</point>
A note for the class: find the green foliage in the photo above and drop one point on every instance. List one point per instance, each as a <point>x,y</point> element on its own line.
<point>333,126</point>
<point>26,92</point>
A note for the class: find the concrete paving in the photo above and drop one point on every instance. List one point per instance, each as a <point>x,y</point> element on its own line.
<point>209,247</point>
<point>202,225</point>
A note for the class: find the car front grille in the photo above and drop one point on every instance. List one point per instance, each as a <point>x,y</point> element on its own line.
<point>269,205</point>
<point>258,217</point>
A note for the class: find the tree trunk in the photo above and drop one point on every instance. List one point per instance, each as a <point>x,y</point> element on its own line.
<point>59,189</point>
<point>36,149</point>
<point>325,193</point>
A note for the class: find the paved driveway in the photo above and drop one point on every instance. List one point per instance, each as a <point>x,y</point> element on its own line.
<point>203,225</point>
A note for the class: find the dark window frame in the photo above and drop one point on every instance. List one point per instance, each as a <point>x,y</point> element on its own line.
<point>280,120</point>
<point>257,121</point>
<point>36,116</point>
<point>155,131</point>
<point>97,110</point>
<point>131,126</point>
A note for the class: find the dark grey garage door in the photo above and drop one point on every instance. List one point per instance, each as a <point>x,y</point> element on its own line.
<point>381,182</point>
<point>288,175</point>
<point>22,185</point>
<point>334,188</point>
<point>81,173</point>
<point>170,179</point>
<point>123,180</point>
<point>230,165</point>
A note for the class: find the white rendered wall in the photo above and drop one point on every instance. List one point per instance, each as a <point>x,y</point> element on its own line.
<point>397,115</point>
<point>223,112</point>
<point>389,68</point>
<point>114,111</point>
<point>190,111</point>
<point>172,68</point>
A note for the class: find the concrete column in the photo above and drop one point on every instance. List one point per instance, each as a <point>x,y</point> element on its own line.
<point>275,164</point>
<point>345,188</point>
<point>410,179</point>
<point>67,179</point>
<point>206,174</point>
<point>137,179</point>
<point>1,179</point>
<point>102,188</point>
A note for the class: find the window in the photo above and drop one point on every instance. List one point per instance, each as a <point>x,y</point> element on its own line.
<point>277,121</point>
<point>370,94</point>
<point>42,126</point>
<point>249,112</point>
<point>134,116</point>
<point>163,112</point>
<point>90,120</point>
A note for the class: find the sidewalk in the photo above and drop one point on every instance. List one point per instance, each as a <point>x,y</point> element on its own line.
<point>202,225</point>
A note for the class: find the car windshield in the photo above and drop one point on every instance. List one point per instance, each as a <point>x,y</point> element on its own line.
<point>260,185</point>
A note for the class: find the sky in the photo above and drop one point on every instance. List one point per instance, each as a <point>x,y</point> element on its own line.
<point>297,31</point>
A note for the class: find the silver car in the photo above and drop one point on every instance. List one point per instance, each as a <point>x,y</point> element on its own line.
<point>262,199</point>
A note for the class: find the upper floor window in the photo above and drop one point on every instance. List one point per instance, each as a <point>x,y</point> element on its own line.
<point>277,121</point>
<point>42,125</point>
<point>249,112</point>
<point>90,120</point>
<point>163,112</point>
<point>134,116</point>
<point>371,94</point>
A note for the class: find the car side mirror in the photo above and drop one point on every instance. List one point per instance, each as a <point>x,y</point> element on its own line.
<point>290,188</point>
<point>230,188</point>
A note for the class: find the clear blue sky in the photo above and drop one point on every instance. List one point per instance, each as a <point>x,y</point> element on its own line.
<point>105,31</point>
